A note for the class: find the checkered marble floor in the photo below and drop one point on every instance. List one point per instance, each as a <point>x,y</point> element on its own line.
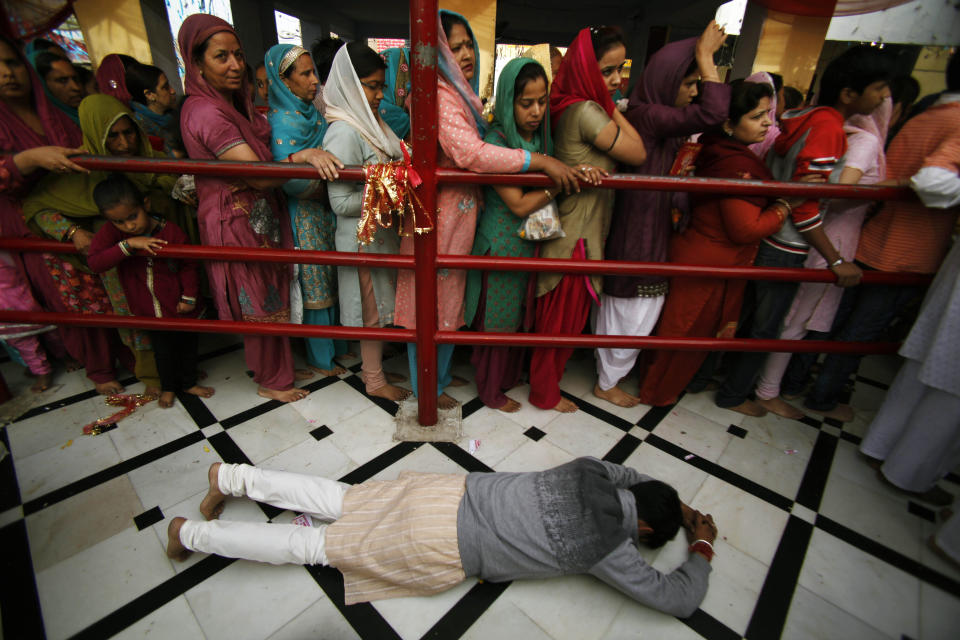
<point>812,544</point>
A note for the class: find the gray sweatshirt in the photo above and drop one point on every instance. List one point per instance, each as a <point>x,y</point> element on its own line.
<point>575,518</point>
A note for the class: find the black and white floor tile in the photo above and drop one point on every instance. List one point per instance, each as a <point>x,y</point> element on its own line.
<point>813,544</point>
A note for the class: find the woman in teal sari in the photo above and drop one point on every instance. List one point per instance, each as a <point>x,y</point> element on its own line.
<point>396,90</point>
<point>296,124</point>
<point>496,299</point>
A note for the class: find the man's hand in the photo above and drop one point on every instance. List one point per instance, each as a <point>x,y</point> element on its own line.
<point>848,274</point>
<point>704,528</point>
<point>689,517</point>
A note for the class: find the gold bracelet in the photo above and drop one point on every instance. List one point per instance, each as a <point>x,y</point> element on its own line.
<point>546,192</point>
<point>71,231</point>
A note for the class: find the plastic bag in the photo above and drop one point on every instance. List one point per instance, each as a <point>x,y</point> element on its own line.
<point>542,224</point>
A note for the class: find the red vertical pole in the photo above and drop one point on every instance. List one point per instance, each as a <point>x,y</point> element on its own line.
<point>423,36</point>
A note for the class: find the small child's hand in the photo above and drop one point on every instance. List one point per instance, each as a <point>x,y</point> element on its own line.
<point>185,307</point>
<point>146,243</point>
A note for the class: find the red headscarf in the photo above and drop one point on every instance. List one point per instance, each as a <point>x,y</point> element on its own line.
<point>579,79</point>
<point>112,78</point>
<point>253,125</point>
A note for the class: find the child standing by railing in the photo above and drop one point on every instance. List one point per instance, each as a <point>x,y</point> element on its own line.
<point>154,287</point>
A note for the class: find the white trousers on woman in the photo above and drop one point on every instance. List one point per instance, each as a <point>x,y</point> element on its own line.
<point>623,316</point>
<point>264,542</point>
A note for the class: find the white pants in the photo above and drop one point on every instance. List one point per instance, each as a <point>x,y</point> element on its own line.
<point>916,432</point>
<point>623,316</point>
<point>264,542</point>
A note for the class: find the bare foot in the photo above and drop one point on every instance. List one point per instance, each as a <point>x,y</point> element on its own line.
<point>108,388</point>
<point>166,399</point>
<point>290,395</point>
<point>616,395</point>
<point>394,378</point>
<point>446,402</point>
<point>336,371</point>
<point>510,406</point>
<point>749,408</point>
<point>780,407</point>
<point>390,392</point>
<point>212,504</point>
<point>197,390</point>
<point>566,406</point>
<point>70,364</point>
<point>42,383</point>
<point>841,412</point>
<point>153,392</point>
<point>303,374</point>
<point>175,549</point>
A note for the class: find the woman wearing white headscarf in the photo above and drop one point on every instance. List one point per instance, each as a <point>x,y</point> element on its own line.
<point>359,136</point>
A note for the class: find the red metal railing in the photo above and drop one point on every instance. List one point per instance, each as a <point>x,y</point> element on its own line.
<point>423,20</point>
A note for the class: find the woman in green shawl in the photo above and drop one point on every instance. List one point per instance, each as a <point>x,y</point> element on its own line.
<point>61,207</point>
<point>496,299</point>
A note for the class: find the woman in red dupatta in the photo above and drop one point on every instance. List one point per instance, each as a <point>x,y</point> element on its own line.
<point>219,122</point>
<point>590,134</point>
<point>723,231</point>
<point>35,137</point>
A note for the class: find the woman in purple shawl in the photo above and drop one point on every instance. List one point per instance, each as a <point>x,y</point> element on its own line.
<point>219,122</point>
<point>35,137</point>
<point>662,112</point>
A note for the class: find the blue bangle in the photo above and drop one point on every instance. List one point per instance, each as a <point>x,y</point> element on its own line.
<point>527,158</point>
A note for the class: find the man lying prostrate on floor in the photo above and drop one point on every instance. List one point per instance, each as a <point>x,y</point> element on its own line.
<point>424,532</point>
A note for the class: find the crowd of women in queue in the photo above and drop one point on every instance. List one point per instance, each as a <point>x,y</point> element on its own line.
<point>566,125</point>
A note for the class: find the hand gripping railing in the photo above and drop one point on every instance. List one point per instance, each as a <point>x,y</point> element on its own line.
<point>423,21</point>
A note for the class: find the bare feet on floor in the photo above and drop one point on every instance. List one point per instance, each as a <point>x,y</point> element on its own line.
<point>749,408</point>
<point>390,392</point>
<point>175,549</point>
<point>446,402</point>
<point>42,382</point>
<point>841,412</point>
<point>303,374</point>
<point>394,378</point>
<point>212,504</point>
<point>336,371</point>
<point>199,390</point>
<point>289,395</point>
<point>152,392</point>
<point>108,388</point>
<point>781,407</point>
<point>167,399</point>
<point>457,381</point>
<point>616,395</point>
<point>566,406</point>
<point>510,406</point>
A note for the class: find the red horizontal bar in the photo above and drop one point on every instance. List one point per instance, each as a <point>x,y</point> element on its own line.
<point>208,326</point>
<point>619,267</point>
<point>234,254</point>
<point>488,263</point>
<point>661,342</point>
<point>451,337</point>
<point>455,176</point>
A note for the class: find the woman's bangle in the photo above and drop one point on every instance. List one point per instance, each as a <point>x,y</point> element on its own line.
<point>615,138</point>
<point>125,247</point>
<point>70,232</point>
<point>188,300</point>
<point>785,203</point>
<point>549,195</point>
<point>703,547</point>
<point>836,263</point>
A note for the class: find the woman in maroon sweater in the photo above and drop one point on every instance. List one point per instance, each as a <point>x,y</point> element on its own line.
<point>155,287</point>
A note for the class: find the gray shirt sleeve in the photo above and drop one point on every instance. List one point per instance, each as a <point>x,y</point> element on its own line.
<point>343,141</point>
<point>623,477</point>
<point>678,593</point>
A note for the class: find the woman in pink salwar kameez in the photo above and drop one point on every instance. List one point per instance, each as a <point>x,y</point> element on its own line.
<point>219,121</point>
<point>460,134</point>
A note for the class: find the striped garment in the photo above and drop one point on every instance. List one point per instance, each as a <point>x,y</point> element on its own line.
<point>907,236</point>
<point>398,538</point>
